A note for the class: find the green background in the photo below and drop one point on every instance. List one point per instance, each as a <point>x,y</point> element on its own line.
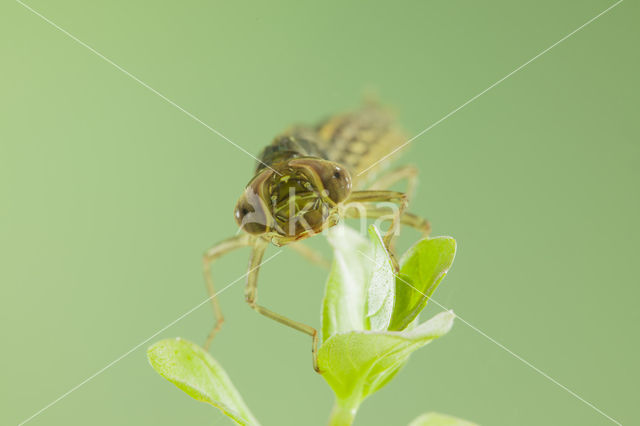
<point>110,195</point>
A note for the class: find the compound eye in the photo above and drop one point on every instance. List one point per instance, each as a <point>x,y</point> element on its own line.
<point>338,184</point>
<point>249,217</point>
<point>240,213</point>
<point>334,178</point>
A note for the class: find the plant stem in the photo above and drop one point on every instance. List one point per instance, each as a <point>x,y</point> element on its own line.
<point>343,413</point>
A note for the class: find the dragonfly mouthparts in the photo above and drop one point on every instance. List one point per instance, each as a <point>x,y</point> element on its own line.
<point>297,198</point>
<point>296,205</point>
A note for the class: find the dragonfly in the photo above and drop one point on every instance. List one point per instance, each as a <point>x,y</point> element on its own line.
<point>308,180</point>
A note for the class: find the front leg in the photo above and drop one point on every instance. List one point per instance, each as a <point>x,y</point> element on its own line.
<point>212,254</point>
<point>251,296</point>
<point>408,173</point>
<point>407,218</point>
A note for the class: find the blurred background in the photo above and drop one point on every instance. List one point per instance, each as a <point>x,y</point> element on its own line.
<point>110,195</point>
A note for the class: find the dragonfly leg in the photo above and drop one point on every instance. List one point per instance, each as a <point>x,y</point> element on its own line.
<point>410,173</point>
<point>251,296</point>
<point>360,198</point>
<point>310,254</point>
<point>407,218</point>
<point>212,254</point>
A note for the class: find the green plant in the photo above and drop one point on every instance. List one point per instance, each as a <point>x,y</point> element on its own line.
<point>370,327</point>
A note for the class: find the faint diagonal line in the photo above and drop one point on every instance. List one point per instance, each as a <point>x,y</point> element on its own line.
<point>501,346</point>
<point>491,87</point>
<point>121,357</point>
<point>142,83</point>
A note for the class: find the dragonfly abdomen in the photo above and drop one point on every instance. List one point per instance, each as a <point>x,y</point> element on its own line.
<point>356,141</point>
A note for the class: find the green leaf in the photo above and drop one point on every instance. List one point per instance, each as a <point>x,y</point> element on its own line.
<point>345,293</point>
<point>357,363</point>
<point>360,353</point>
<point>381,289</point>
<point>359,294</point>
<point>194,371</point>
<point>422,269</point>
<point>436,419</point>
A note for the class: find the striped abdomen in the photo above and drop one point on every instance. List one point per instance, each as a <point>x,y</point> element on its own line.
<point>355,140</point>
<point>359,139</point>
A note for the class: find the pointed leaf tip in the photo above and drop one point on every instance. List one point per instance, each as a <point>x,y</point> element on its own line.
<point>195,372</point>
<point>422,269</point>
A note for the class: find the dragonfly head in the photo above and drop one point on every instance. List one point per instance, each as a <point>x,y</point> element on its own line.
<point>296,199</point>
